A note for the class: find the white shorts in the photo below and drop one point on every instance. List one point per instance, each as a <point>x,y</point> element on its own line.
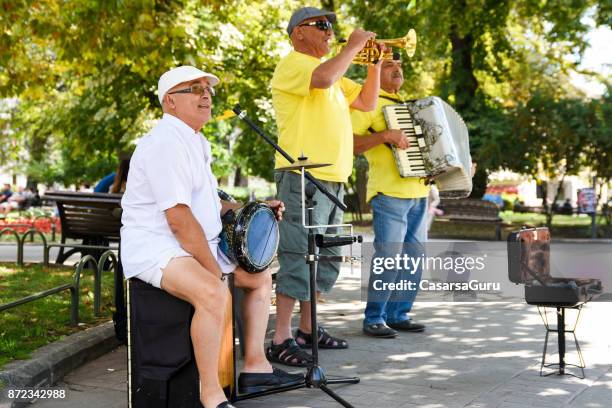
<point>153,276</point>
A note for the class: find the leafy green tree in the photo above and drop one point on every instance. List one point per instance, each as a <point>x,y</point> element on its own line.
<point>598,152</point>
<point>85,73</point>
<point>554,136</point>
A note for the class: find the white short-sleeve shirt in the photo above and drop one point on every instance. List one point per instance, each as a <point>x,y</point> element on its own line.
<point>171,165</point>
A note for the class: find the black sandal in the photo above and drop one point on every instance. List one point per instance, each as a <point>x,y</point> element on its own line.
<point>288,353</point>
<point>326,341</point>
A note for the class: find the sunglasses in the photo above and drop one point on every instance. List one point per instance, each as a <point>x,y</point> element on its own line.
<point>322,25</point>
<point>196,89</point>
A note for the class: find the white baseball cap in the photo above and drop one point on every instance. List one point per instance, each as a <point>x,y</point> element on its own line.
<point>175,76</point>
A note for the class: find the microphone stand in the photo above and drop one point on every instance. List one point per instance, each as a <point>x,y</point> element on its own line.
<point>315,376</point>
<point>242,115</point>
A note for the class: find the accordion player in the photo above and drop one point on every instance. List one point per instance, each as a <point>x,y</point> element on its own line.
<point>439,144</point>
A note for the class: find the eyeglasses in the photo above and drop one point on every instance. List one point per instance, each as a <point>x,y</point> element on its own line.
<point>322,25</point>
<point>196,89</point>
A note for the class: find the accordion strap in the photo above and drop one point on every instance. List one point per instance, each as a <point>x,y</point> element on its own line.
<point>396,100</point>
<point>392,99</point>
<point>371,129</point>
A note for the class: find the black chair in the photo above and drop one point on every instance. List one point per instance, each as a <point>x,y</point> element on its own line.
<point>529,264</point>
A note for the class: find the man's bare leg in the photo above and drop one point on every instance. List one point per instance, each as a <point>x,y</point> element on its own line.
<point>306,321</point>
<point>256,311</point>
<point>284,312</point>
<point>305,318</point>
<point>186,279</point>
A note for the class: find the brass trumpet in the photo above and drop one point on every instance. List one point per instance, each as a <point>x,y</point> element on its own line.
<point>370,53</point>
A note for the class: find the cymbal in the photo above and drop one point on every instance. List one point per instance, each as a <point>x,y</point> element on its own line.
<point>300,164</point>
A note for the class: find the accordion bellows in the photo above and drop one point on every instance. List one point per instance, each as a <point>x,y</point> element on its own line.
<point>439,144</point>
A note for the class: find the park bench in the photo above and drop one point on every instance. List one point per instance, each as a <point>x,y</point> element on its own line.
<point>92,218</point>
<point>471,211</point>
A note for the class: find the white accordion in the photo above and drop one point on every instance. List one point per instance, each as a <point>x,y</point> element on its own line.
<point>439,144</point>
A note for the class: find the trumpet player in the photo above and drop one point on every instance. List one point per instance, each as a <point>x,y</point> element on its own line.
<point>399,207</point>
<point>311,99</point>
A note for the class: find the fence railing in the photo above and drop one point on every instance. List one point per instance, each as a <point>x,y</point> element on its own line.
<point>32,232</point>
<point>99,266</point>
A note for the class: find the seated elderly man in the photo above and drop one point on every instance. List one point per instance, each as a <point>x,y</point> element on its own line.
<point>170,235</point>
<point>16,200</point>
<point>5,193</point>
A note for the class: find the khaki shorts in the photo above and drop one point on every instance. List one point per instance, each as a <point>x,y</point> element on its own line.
<point>153,276</point>
<point>293,277</point>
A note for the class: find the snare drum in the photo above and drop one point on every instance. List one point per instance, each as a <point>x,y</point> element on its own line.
<point>250,236</point>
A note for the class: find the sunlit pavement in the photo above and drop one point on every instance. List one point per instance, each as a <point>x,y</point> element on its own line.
<point>471,355</point>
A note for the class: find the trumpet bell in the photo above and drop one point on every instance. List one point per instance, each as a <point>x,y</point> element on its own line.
<point>370,53</point>
<point>407,43</point>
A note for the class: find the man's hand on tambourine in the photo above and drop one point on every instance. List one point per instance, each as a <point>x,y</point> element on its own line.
<point>278,207</point>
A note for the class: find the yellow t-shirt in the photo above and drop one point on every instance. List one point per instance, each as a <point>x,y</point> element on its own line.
<point>383,176</point>
<point>315,122</point>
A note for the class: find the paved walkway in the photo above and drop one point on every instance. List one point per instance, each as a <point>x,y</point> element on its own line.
<point>472,355</point>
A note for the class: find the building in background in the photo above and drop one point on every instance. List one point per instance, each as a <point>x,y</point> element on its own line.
<point>515,187</point>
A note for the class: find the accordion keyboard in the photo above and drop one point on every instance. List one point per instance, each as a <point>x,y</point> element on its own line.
<point>409,161</point>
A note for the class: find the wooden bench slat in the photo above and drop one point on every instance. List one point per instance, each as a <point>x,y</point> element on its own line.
<point>88,215</point>
<point>471,211</point>
<point>94,218</point>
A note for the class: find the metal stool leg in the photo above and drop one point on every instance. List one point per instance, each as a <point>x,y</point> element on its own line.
<point>561,330</point>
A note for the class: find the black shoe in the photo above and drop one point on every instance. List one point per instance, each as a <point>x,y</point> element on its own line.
<point>258,382</point>
<point>225,405</point>
<point>379,330</point>
<point>408,326</point>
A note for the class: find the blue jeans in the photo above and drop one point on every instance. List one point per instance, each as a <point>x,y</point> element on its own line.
<point>396,220</point>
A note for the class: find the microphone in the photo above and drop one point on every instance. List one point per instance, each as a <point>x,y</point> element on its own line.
<point>310,190</point>
<point>328,241</point>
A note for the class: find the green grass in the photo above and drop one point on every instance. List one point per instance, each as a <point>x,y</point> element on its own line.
<point>558,220</point>
<point>25,328</point>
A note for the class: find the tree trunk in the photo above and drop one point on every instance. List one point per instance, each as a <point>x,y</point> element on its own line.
<point>464,83</point>
<point>37,150</point>
<point>550,212</point>
<point>479,183</point>
<point>31,184</point>
<point>240,180</point>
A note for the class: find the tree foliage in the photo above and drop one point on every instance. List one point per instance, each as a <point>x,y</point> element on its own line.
<point>488,57</point>
<point>85,73</point>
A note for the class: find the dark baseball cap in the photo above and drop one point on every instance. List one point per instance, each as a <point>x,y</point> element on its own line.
<point>308,12</point>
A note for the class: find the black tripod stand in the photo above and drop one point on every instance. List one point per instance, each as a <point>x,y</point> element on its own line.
<point>315,377</point>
